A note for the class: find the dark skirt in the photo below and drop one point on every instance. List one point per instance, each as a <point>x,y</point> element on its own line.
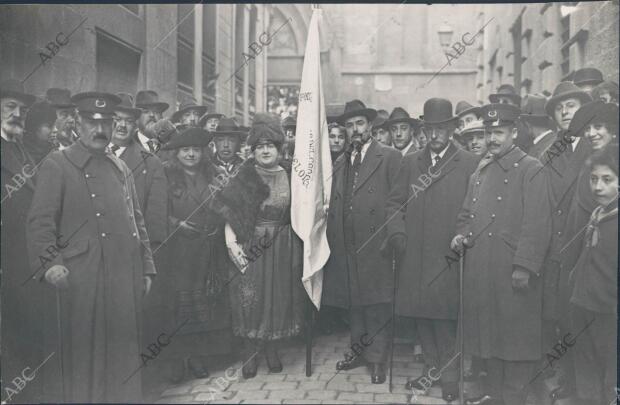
<point>267,301</point>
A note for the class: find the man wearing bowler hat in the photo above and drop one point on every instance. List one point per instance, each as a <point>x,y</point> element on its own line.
<point>64,131</point>
<point>587,78</point>
<point>506,94</point>
<point>88,195</point>
<point>356,276</point>
<point>402,127</point>
<point>504,213</point>
<point>538,126</point>
<point>227,138</point>
<point>152,112</point>
<point>189,113</point>
<point>440,172</point>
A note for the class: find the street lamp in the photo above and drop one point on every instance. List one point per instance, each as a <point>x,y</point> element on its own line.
<point>445,35</point>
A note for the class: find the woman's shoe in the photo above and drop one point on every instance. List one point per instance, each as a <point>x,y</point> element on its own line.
<point>177,372</point>
<point>250,366</point>
<point>196,368</point>
<point>273,361</point>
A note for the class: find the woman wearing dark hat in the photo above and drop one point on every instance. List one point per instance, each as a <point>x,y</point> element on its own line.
<point>38,135</point>
<point>267,297</point>
<point>195,283</point>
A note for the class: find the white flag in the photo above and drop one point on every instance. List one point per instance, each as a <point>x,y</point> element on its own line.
<point>312,168</point>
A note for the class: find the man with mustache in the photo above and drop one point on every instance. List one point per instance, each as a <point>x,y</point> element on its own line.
<point>505,212</point>
<point>440,172</point>
<point>563,159</point>
<point>357,277</point>
<point>152,111</point>
<point>402,128</point>
<point>105,266</point>
<point>65,131</point>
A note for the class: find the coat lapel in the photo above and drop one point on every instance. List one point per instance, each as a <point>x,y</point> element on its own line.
<point>445,165</point>
<point>371,162</point>
<point>12,164</point>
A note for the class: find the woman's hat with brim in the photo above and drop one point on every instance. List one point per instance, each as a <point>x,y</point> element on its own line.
<point>399,114</point>
<point>563,91</point>
<point>15,89</point>
<point>229,127</point>
<point>438,111</point>
<point>187,105</point>
<point>208,116</point>
<point>594,112</point>
<point>380,121</point>
<point>356,108</point>
<point>505,90</point>
<point>189,137</point>
<point>126,105</point>
<point>150,99</point>
<point>463,108</point>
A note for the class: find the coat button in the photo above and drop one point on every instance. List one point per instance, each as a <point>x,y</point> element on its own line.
<point>477,183</point>
<point>471,215</point>
<point>470,234</point>
<point>93,195</point>
<point>474,199</point>
<point>490,234</point>
<point>103,235</point>
<point>505,181</point>
<point>492,215</point>
<point>134,234</point>
<point>516,164</point>
<point>144,171</point>
<point>98,214</point>
<point>559,212</point>
<point>87,175</point>
<point>499,198</point>
<point>371,190</point>
<point>559,233</point>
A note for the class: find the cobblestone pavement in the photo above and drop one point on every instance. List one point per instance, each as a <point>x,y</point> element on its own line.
<point>291,386</point>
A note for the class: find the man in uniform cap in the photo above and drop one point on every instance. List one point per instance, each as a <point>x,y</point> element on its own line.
<point>506,94</point>
<point>227,138</point>
<point>587,78</point>
<point>65,131</point>
<point>380,129</point>
<point>152,112</point>
<point>189,113</point>
<point>356,276</point>
<point>505,214</point>
<point>402,127</point>
<point>88,195</point>
<point>428,225</point>
<point>537,125</point>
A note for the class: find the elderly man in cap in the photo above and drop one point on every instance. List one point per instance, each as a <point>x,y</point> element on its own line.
<point>227,139</point>
<point>356,276</point>
<point>380,130</point>
<point>587,78</point>
<point>402,127</point>
<point>87,196</point>
<point>64,131</point>
<point>189,113</point>
<point>428,225</point>
<point>504,213</point>
<point>506,94</point>
<point>537,125</point>
<point>152,112</point>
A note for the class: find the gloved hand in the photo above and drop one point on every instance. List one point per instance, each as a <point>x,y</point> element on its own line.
<point>520,278</point>
<point>397,243</point>
<point>457,243</point>
<point>57,275</point>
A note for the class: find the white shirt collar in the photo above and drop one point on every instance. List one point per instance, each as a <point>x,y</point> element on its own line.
<point>576,142</point>
<point>143,140</point>
<point>363,151</point>
<point>406,148</point>
<point>541,136</point>
<point>5,136</point>
<point>440,154</point>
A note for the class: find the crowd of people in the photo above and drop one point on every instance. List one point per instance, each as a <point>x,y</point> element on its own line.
<point>128,236</point>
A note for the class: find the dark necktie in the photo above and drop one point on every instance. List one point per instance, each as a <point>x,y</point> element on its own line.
<point>151,146</point>
<point>436,159</point>
<point>357,160</point>
<point>114,149</point>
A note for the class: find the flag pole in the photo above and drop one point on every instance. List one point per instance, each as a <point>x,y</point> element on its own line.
<point>309,332</point>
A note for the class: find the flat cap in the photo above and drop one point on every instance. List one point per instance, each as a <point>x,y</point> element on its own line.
<point>96,105</point>
<point>496,115</point>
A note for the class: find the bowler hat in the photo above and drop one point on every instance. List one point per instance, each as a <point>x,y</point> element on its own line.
<point>463,108</point>
<point>380,120</point>
<point>208,116</point>
<point>59,98</point>
<point>595,111</point>
<point>333,112</point>
<point>438,111</point>
<point>356,108</point>
<point>563,91</point>
<point>14,88</point>
<point>289,122</point>
<point>150,99</point>
<point>126,105</point>
<point>505,90</point>
<point>96,105</point>
<point>498,114</point>
<point>587,76</point>
<point>228,126</point>
<point>189,137</point>
<point>188,104</point>
<point>400,115</point>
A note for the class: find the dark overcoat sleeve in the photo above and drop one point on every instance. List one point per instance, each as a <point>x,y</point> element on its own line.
<point>156,207</point>
<point>396,204</point>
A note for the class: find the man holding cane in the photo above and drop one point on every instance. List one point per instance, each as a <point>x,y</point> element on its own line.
<point>506,208</point>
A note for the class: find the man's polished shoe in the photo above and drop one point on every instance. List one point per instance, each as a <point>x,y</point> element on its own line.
<point>349,363</point>
<point>378,373</point>
<point>450,391</point>
<point>417,385</point>
<point>484,400</point>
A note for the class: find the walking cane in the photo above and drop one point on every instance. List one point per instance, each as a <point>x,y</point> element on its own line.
<point>393,320</point>
<point>60,344</point>
<point>461,342</point>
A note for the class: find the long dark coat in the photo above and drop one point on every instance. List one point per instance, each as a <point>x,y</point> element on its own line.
<point>505,213</point>
<point>562,171</point>
<point>429,222</point>
<point>371,274</point>
<point>90,202</point>
<point>538,149</point>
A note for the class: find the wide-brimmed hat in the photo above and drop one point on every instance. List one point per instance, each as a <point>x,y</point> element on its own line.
<point>150,99</point>
<point>228,126</point>
<point>587,76</point>
<point>399,114</point>
<point>59,98</point>
<point>505,90</point>
<point>438,111</point>
<point>380,121</point>
<point>96,105</point>
<point>472,127</point>
<point>463,108</point>
<point>208,116</point>
<point>188,104</point>
<point>594,111</point>
<point>356,108</point>
<point>499,114</point>
<point>563,91</point>
<point>333,112</point>
<point>189,137</point>
<point>126,105</point>
<point>533,108</point>
<point>14,88</point>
